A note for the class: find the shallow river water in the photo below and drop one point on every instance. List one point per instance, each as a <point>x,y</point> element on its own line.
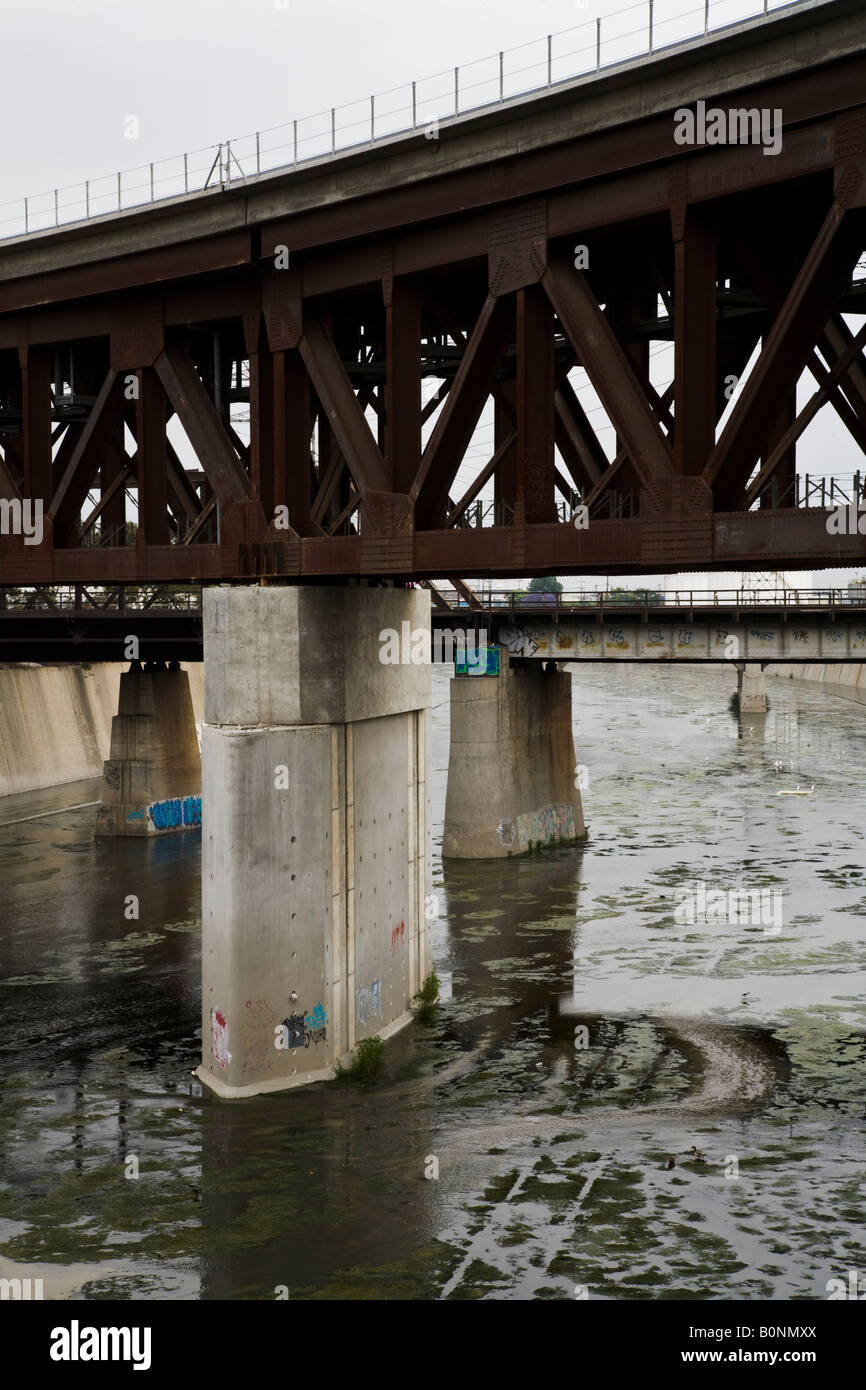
<point>744,1041</point>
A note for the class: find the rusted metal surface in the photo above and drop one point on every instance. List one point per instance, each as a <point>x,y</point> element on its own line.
<point>428,272</point>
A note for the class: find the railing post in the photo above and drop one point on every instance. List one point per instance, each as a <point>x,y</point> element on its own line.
<point>333,130</point>
<point>26,218</point>
<point>56,210</point>
<point>650,26</point>
<point>456,91</point>
<point>414,108</point>
<point>186,173</point>
<point>372,119</point>
<point>598,44</point>
<point>549,59</point>
<point>228,173</point>
<point>501,76</point>
<point>295,130</point>
<point>151,182</point>
<point>707,17</point>
<point>119,198</point>
<point>87,198</point>
<point>258,153</point>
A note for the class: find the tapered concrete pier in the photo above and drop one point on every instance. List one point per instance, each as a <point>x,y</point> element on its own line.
<point>752,688</point>
<point>151,780</point>
<point>315,839</point>
<point>511,769</point>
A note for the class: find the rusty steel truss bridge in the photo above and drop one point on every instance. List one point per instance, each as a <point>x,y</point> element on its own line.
<point>324,302</point>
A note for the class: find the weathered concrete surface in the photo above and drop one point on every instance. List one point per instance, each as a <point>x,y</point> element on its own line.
<point>511,769</point>
<point>751,689</point>
<point>682,637</point>
<point>843,678</point>
<point>55,722</point>
<point>315,836</point>
<point>151,780</point>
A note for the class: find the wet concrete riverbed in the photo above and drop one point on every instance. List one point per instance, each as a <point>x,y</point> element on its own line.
<point>553,1158</point>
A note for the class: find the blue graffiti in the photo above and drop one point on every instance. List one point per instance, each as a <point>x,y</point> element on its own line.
<point>369,1002</point>
<point>318,1018</point>
<point>168,815</point>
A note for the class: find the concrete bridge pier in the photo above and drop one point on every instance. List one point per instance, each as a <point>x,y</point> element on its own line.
<point>511,769</point>
<point>315,838</point>
<point>151,780</point>
<point>751,688</point>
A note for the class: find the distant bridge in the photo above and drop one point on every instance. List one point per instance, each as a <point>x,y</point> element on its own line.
<point>49,624</point>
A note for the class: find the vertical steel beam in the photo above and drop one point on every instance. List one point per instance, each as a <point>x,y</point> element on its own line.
<point>402,413</point>
<point>36,366</point>
<point>505,477</point>
<point>694,344</point>
<point>152,463</point>
<point>262,425</point>
<point>292,473</point>
<point>535,404</point>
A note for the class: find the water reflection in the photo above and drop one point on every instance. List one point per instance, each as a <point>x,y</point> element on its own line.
<point>553,1159</point>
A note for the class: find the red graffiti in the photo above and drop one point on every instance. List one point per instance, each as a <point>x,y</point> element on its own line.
<point>397,936</point>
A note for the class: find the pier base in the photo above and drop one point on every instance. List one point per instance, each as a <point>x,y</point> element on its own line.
<point>511,769</point>
<point>752,688</point>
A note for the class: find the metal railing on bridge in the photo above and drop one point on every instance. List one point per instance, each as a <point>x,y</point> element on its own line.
<point>636,31</point>
<point>95,599</point>
<point>641,600</point>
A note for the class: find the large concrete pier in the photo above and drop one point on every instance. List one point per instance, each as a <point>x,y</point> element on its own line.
<point>315,834</point>
<point>511,770</point>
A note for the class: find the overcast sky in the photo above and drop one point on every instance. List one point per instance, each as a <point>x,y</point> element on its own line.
<point>194,72</point>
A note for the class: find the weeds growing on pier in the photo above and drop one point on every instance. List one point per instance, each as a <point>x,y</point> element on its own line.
<point>427,997</point>
<point>367,1060</point>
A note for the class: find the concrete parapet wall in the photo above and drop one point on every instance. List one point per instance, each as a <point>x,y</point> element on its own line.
<point>511,769</point>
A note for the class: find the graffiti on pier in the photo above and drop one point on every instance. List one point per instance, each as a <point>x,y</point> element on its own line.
<point>545,826</point>
<point>397,937</point>
<point>169,815</point>
<point>505,831</point>
<point>299,1030</point>
<point>220,1038</point>
<point>368,1000</point>
<point>315,1030</point>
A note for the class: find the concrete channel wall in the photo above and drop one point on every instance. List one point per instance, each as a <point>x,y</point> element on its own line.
<point>55,722</point>
<point>847,679</point>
